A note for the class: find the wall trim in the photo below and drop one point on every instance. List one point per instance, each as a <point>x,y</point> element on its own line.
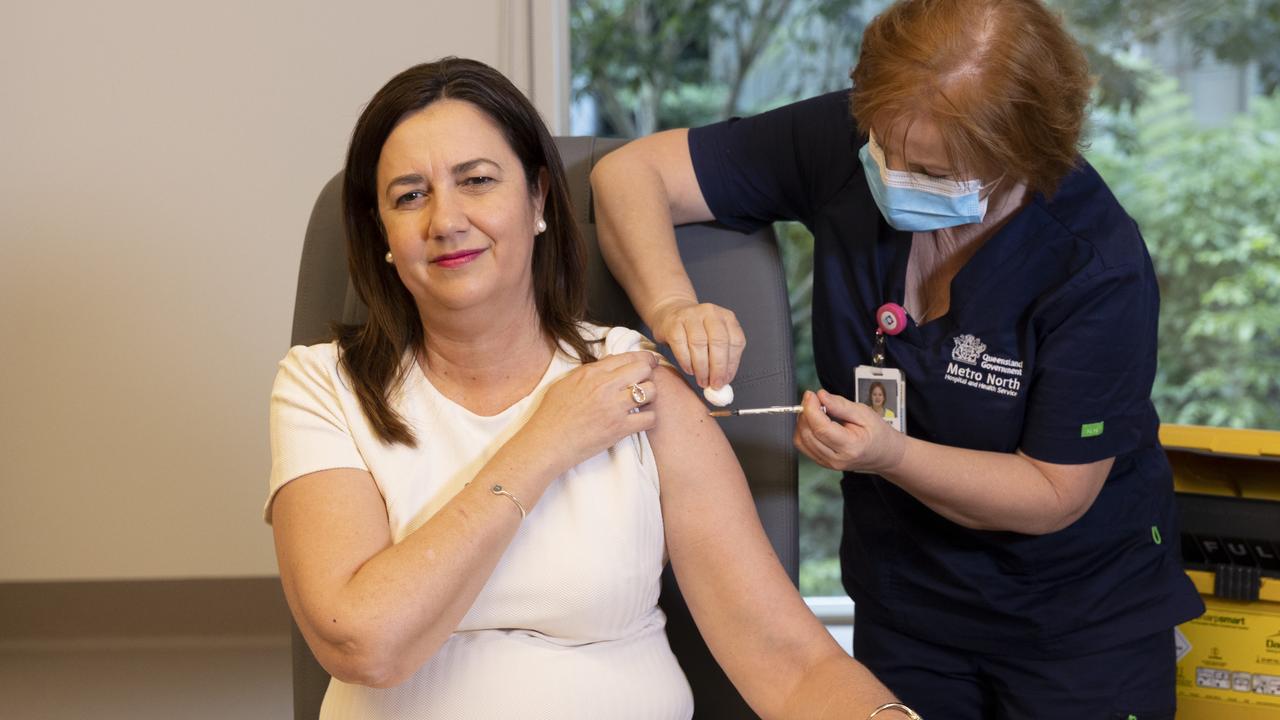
<point>534,55</point>
<point>139,613</point>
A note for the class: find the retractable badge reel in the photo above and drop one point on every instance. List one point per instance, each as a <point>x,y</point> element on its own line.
<point>884,389</point>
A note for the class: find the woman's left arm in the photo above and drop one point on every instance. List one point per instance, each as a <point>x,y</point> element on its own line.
<point>976,489</point>
<point>775,651</point>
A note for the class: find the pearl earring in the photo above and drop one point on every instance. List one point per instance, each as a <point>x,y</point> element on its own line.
<point>540,226</point>
<point>390,259</point>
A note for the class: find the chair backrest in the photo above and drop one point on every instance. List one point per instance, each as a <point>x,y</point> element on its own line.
<point>739,271</point>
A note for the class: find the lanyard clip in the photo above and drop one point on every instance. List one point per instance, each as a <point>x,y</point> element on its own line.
<point>890,320</point>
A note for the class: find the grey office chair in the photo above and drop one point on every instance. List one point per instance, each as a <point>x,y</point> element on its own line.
<point>741,272</point>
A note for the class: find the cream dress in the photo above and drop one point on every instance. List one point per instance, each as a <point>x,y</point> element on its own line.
<point>568,624</point>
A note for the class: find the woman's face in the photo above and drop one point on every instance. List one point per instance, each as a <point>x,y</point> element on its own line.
<point>916,146</point>
<point>877,396</point>
<point>458,214</point>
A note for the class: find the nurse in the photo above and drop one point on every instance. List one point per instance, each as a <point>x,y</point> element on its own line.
<point>1014,553</point>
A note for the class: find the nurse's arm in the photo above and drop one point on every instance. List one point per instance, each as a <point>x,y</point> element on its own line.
<point>641,191</point>
<point>998,491</point>
<point>769,643</point>
<point>973,488</point>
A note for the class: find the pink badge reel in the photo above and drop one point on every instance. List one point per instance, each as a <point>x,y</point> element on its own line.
<point>891,318</point>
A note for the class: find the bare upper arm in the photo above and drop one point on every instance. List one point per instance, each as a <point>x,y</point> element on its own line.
<point>699,472</point>
<point>666,156</point>
<point>1076,486</point>
<point>327,524</point>
<point>755,622</point>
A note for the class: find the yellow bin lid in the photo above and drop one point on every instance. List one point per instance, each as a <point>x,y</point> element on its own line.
<point>1223,441</point>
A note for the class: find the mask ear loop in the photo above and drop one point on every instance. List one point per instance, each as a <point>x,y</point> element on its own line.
<point>985,191</point>
<point>877,154</point>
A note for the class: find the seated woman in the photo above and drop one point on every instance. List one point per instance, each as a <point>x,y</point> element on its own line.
<point>474,492</point>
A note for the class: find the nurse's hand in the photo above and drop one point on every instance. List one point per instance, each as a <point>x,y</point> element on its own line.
<point>706,340</point>
<point>848,436</point>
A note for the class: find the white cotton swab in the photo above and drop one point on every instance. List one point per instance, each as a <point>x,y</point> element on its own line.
<point>720,396</point>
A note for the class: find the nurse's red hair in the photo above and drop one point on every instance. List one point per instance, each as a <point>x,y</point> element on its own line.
<point>1005,83</point>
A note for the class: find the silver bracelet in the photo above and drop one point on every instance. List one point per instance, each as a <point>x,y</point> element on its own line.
<point>498,490</point>
<point>912,714</point>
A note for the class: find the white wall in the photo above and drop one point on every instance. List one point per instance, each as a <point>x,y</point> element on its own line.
<point>158,162</point>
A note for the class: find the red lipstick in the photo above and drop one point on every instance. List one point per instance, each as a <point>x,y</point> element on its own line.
<point>457,259</point>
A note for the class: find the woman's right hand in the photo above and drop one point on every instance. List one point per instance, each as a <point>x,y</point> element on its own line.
<point>594,406</point>
<point>705,339</point>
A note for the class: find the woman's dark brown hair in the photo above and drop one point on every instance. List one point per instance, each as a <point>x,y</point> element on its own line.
<point>872,388</point>
<point>373,354</point>
<point>1003,80</point>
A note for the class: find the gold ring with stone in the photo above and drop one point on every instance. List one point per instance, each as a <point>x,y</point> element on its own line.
<point>638,394</point>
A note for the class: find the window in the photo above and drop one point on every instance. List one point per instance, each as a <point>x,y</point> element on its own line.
<point>1185,129</point>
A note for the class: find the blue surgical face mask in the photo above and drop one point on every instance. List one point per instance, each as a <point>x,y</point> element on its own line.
<point>916,202</point>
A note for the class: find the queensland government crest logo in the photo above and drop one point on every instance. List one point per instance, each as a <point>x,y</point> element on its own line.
<point>967,350</point>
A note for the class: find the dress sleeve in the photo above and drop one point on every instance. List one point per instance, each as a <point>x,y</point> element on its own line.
<point>621,339</point>
<point>1090,392</point>
<point>778,165</point>
<point>309,429</point>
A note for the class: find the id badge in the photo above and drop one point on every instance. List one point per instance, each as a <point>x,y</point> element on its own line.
<point>883,390</point>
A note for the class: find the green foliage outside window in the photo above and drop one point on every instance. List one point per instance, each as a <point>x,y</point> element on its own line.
<point>1208,204</point>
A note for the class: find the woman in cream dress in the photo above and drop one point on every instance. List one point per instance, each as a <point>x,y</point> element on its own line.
<point>474,493</point>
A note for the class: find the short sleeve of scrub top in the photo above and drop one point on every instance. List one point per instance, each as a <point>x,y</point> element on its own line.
<point>789,170</point>
<point>1089,397</point>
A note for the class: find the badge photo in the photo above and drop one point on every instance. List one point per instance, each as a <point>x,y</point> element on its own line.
<point>883,390</point>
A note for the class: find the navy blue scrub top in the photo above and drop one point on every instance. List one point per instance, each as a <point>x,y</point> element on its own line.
<point>1049,347</point>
